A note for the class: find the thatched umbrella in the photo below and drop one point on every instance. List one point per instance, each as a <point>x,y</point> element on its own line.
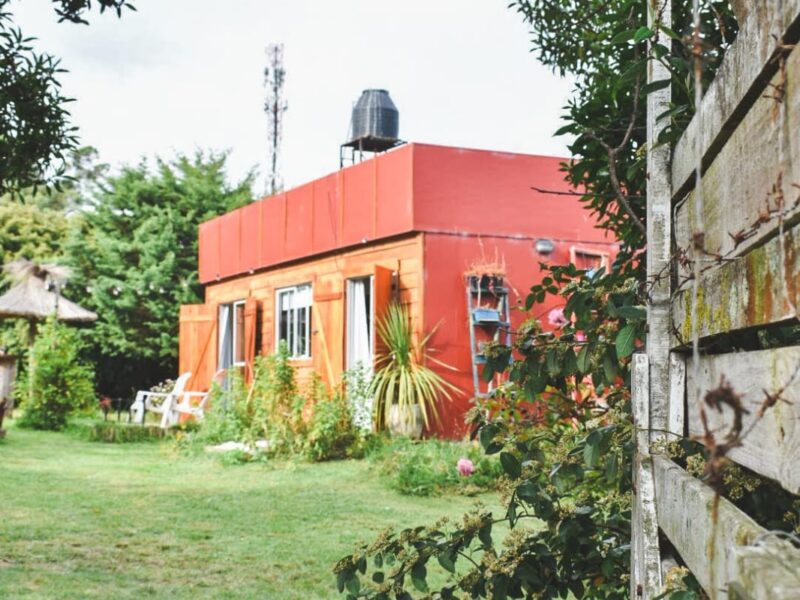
<point>35,296</point>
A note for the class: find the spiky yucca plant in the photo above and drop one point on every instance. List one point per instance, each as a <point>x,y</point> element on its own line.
<point>401,377</point>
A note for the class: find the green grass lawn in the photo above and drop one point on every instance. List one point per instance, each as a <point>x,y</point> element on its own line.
<point>91,520</point>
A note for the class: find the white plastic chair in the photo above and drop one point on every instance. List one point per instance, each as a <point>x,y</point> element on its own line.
<point>193,404</point>
<point>162,403</point>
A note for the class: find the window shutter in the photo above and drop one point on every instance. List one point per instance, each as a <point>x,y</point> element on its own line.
<point>197,344</point>
<point>250,324</point>
<point>382,288</point>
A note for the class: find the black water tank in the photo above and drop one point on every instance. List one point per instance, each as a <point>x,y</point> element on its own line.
<point>375,117</point>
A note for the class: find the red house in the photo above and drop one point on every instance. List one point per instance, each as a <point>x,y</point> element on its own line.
<point>316,265</point>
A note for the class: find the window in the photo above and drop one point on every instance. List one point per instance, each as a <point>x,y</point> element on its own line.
<point>588,260</point>
<point>294,320</point>
<point>231,335</point>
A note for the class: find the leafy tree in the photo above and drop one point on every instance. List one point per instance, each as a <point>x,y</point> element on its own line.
<point>62,384</point>
<point>29,231</point>
<point>133,255</point>
<point>562,425</point>
<point>36,136</point>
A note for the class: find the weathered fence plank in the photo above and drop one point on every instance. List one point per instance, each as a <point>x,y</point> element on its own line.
<point>659,227</point>
<point>746,68</point>
<point>772,446</point>
<point>677,396</point>
<point>746,172</point>
<point>735,551</point>
<point>749,291</point>
<point>645,553</point>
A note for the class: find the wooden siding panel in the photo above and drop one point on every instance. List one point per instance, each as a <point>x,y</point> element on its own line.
<point>327,276</point>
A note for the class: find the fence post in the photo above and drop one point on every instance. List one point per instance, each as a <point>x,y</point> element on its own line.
<point>645,554</point>
<point>659,218</point>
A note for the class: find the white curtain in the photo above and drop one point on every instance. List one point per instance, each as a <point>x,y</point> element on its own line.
<point>225,329</point>
<point>359,347</point>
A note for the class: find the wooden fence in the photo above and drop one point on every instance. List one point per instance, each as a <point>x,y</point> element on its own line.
<point>744,215</point>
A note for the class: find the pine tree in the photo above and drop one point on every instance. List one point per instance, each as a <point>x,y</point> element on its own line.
<point>134,262</point>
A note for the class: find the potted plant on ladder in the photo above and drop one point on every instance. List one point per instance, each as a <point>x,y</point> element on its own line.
<point>405,389</point>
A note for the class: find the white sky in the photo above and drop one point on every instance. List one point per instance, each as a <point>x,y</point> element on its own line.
<point>183,74</point>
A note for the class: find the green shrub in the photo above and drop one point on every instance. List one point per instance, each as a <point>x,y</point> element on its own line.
<point>230,417</point>
<point>356,382</point>
<point>273,408</point>
<point>112,432</point>
<point>61,385</point>
<point>332,434</point>
<point>428,467</point>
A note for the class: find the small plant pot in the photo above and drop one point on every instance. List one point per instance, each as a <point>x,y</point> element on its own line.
<point>407,422</point>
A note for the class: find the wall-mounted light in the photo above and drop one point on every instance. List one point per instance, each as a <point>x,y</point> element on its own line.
<point>545,246</point>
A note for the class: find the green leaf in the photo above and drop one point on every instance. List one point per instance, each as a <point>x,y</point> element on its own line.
<point>591,453</point>
<point>570,364</point>
<point>447,560</point>
<point>624,342</point>
<point>341,579</point>
<point>527,492</point>
<point>511,465</point>
<point>632,313</point>
<point>353,584</point>
<point>378,576</point>
<point>623,36</point>
<point>683,595</point>
<point>418,575</point>
<point>553,368</point>
<point>642,34</point>
<point>583,360</point>
<point>612,467</point>
<point>669,32</point>
<point>654,86</point>
<point>485,534</point>
<point>487,435</point>
<point>609,366</point>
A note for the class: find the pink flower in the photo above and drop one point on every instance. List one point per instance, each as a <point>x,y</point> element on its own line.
<point>556,317</point>
<point>580,336</point>
<point>465,467</point>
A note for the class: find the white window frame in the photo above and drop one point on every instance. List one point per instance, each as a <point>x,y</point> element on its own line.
<point>234,338</point>
<point>595,253</point>
<point>295,321</point>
